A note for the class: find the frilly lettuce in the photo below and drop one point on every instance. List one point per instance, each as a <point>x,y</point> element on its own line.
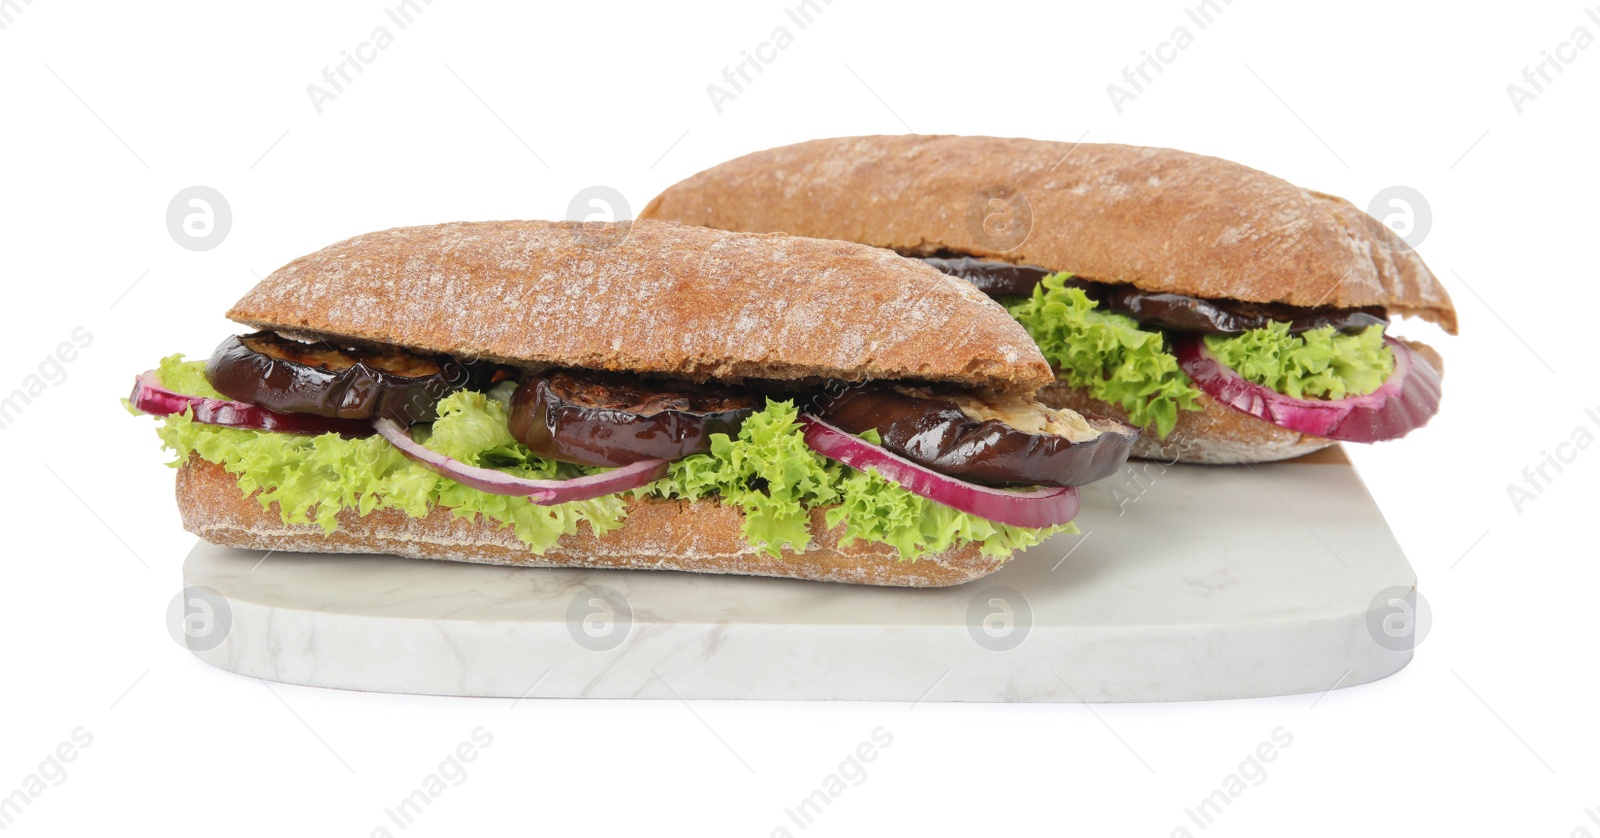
<point>767,471</point>
<point>876,510</point>
<point>311,478</point>
<point>1121,363</point>
<point>187,377</point>
<point>1106,354</point>
<point>1317,364</point>
<point>770,472</point>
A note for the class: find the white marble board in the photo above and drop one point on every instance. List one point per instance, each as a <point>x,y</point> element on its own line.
<point>1188,582</point>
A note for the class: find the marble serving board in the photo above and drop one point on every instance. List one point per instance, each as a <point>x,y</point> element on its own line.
<point>1187,582</point>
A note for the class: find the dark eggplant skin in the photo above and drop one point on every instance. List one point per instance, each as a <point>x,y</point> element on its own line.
<point>997,279</point>
<point>1173,312</point>
<point>606,419</point>
<point>936,433</point>
<point>260,369</point>
<point>1182,313</point>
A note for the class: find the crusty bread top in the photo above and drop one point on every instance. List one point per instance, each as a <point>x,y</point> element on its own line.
<point>667,298</point>
<point>1159,219</point>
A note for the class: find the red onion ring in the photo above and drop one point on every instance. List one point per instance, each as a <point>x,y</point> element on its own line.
<point>1042,507</point>
<point>1406,401</point>
<point>542,492</point>
<point>151,397</point>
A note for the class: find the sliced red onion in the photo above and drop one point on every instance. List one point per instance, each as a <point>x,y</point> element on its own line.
<point>542,492</point>
<point>1405,402</point>
<point>1042,507</point>
<point>151,397</point>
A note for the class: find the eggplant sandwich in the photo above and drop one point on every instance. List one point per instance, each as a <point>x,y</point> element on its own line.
<point>672,397</point>
<point>1231,315</point>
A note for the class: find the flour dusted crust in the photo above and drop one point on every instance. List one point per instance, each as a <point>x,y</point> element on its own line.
<point>1158,219</point>
<point>701,536</point>
<point>652,297</point>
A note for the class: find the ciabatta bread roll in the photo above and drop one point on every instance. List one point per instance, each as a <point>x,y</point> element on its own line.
<point>646,396</point>
<point>1128,223</point>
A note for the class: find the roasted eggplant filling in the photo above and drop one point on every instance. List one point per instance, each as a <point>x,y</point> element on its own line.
<point>607,419</point>
<point>339,382</point>
<point>988,441</point>
<point>610,420</point>
<point>1182,313</point>
<point>1156,309</point>
<point>1173,312</point>
<point>997,279</point>
<point>558,437</point>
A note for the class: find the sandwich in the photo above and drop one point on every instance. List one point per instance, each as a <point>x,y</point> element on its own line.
<point>1231,315</point>
<point>668,397</point>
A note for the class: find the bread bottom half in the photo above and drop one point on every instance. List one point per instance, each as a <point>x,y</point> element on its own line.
<point>1215,434</point>
<point>699,536</point>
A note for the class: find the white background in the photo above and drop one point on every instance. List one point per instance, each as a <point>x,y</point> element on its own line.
<point>479,112</point>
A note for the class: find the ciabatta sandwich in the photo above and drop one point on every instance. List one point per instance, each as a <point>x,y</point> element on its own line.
<point>1234,316</point>
<point>671,397</point>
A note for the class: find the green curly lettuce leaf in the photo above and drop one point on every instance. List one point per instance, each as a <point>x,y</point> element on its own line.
<point>1106,354</point>
<point>311,478</point>
<point>876,510</point>
<point>186,377</point>
<point>1317,364</point>
<point>771,473</point>
<point>767,471</point>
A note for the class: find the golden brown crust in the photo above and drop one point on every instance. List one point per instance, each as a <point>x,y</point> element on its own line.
<point>1215,434</point>
<point>1159,219</point>
<point>701,536</point>
<point>665,298</point>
